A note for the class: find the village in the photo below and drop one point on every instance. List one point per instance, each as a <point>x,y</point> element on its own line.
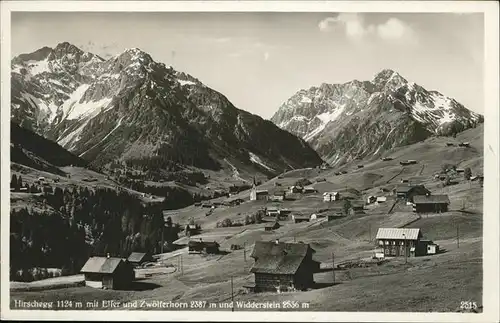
<point>304,231</point>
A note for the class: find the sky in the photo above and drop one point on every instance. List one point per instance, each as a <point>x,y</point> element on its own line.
<point>259,60</point>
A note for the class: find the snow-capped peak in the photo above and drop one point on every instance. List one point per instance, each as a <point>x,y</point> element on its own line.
<point>341,111</point>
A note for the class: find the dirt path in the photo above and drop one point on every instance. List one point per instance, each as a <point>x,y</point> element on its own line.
<point>168,255</point>
<point>393,177</point>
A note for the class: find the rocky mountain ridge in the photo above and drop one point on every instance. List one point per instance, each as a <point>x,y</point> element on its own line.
<point>344,122</point>
<point>132,109</point>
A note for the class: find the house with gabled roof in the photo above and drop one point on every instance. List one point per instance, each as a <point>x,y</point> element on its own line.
<point>297,218</point>
<point>397,242</point>
<point>407,191</point>
<point>208,247</point>
<point>283,266</point>
<point>139,258</point>
<point>430,203</point>
<point>108,272</point>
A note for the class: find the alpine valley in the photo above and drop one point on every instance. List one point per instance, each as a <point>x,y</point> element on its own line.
<point>345,122</point>
<point>127,158</point>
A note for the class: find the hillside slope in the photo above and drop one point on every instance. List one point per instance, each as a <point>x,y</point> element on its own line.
<point>30,149</point>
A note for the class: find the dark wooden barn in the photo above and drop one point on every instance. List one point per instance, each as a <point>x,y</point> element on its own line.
<point>272,227</point>
<point>139,258</point>
<point>430,203</point>
<point>283,266</point>
<point>209,247</point>
<point>108,272</point>
<point>407,191</point>
<point>297,218</point>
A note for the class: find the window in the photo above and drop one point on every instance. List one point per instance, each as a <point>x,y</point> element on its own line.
<point>393,243</point>
<point>381,243</point>
<point>402,243</point>
<point>386,242</point>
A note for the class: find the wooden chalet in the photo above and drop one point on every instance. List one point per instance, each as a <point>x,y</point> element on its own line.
<point>235,202</point>
<point>108,273</point>
<point>258,195</point>
<point>139,258</point>
<point>477,178</point>
<point>309,190</point>
<point>335,213</point>
<point>193,229</point>
<point>283,266</point>
<point>272,227</point>
<point>331,196</point>
<point>209,247</point>
<point>357,206</point>
<point>171,214</point>
<point>273,211</point>
<point>297,218</point>
<point>430,203</point>
<point>277,196</point>
<point>397,242</point>
<point>408,162</point>
<point>407,192</point>
<point>296,189</point>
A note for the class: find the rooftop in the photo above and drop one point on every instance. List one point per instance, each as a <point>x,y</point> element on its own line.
<point>193,243</point>
<point>426,199</point>
<point>279,258</point>
<point>101,265</point>
<point>136,256</point>
<point>398,233</point>
<point>406,187</point>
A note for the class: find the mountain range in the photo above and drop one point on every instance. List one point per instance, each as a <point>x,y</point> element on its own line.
<point>345,122</point>
<point>131,109</point>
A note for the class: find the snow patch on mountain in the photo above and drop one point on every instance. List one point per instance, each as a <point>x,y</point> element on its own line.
<point>305,99</point>
<point>72,137</point>
<point>184,82</point>
<point>256,159</point>
<point>325,118</point>
<point>38,67</point>
<point>105,137</point>
<point>294,118</point>
<point>17,69</point>
<point>48,110</point>
<point>74,108</point>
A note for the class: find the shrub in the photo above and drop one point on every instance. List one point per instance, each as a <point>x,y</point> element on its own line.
<point>347,206</point>
<point>248,220</point>
<point>467,173</point>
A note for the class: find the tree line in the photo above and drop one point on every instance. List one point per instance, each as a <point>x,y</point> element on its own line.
<point>77,223</point>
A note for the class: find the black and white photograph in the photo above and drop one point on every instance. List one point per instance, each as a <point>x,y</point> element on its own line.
<point>280,160</point>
